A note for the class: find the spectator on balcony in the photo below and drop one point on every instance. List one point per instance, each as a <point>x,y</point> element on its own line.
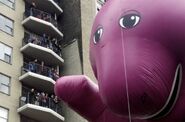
<point>50,45</point>
<point>54,42</point>
<point>38,99</point>
<point>54,16</point>
<point>44,40</point>
<point>33,66</point>
<point>48,41</point>
<point>32,7</point>
<point>57,46</point>
<point>42,14</point>
<point>32,97</point>
<point>55,75</point>
<point>58,49</point>
<point>50,72</point>
<point>47,100</point>
<point>42,68</point>
<point>30,39</point>
<point>35,40</point>
<point>43,99</point>
<point>56,102</point>
<point>52,104</point>
<point>46,17</point>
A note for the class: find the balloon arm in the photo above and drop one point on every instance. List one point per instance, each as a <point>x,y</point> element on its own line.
<point>81,94</point>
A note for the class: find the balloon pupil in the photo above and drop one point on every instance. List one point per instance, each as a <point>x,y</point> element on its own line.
<point>129,21</point>
<point>97,36</point>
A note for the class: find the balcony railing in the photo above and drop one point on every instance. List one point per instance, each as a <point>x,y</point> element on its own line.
<point>39,69</point>
<point>38,100</point>
<point>42,41</point>
<point>41,15</point>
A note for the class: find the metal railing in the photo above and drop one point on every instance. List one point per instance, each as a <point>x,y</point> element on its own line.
<point>43,101</point>
<point>42,41</point>
<point>39,69</point>
<point>41,15</point>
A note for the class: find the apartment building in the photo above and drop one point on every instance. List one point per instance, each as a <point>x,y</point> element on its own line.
<point>30,61</point>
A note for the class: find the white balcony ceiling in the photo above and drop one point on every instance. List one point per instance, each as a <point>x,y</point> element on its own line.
<point>39,82</point>
<point>40,27</point>
<point>43,54</point>
<point>40,113</point>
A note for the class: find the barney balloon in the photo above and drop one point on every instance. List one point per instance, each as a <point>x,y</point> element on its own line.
<point>137,53</point>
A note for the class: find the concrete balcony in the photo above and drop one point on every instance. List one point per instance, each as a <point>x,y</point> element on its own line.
<point>37,81</point>
<point>39,113</point>
<point>41,22</point>
<point>50,6</point>
<point>42,53</point>
<point>38,76</point>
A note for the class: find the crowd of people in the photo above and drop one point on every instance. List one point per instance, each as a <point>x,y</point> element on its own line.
<point>43,99</point>
<point>34,66</point>
<point>33,11</point>
<point>32,96</point>
<point>45,41</point>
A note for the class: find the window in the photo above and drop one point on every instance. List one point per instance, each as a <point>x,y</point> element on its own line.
<point>5,53</point>
<point>4,84</point>
<point>6,25</point>
<point>101,2</point>
<point>98,7</point>
<point>7,58</point>
<point>3,115</point>
<point>9,3</point>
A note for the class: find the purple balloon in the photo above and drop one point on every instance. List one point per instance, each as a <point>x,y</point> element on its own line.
<point>137,55</point>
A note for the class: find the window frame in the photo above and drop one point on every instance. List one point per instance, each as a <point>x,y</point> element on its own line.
<point>12,29</point>
<point>11,59</point>
<point>8,5</point>
<point>9,86</point>
<point>7,113</point>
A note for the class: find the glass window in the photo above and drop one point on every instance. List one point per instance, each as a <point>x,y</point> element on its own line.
<point>9,3</point>
<point>98,7</point>
<point>101,1</point>
<point>6,25</point>
<point>4,84</point>
<point>5,53</point>
<point>3,115</point>
<point>7,58</point>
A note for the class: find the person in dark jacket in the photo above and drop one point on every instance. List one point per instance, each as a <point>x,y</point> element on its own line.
<point>32,97</point>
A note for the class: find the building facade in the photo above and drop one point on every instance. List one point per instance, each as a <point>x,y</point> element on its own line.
<point>11,34</point>
<point>31,61</point>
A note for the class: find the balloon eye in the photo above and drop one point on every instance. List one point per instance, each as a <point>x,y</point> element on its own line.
<point>129,20</point>
<point>98,35</point>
